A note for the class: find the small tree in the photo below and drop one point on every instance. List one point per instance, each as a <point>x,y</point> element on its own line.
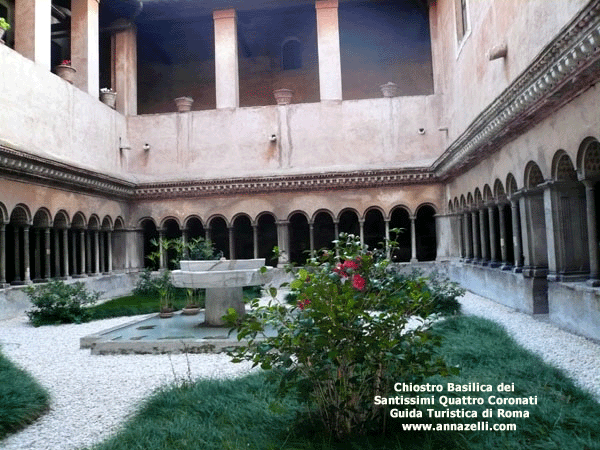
<point>338,346</point>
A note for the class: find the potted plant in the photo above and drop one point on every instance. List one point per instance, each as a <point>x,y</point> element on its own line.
<point>4,27</point>
<point>108,97</point>
<point>165,294</point>
<point>65,71</point>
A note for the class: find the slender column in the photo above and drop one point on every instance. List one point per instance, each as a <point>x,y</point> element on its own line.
<point>255,240</point>
<point>476,243</point>
<point>413,239</point>
<point>85,45</point>
<point>162,263</point>
<point>66,251</point>
<point>37,253</point>
<point>590,201</point>
<point>503,243</point>
<point>47,253</point>
<point>33,20</point>
<point>82,252</point>
<point>493,237</point>
<point>184,237</point>
<point>226,59</point>
<point>328,44</point>
<point>17,242</point>
<point>207,234</point>
<point>387,238</point>
<point>101,248</point>
<point>88,248</point>
<point>74,251</point>
<point>26,262</point>
<point>336,234</point>
<point>2,255</point>
<point>461,236</point>
<point>516,226</point>
<point>361,224</point>
<point>57,253</point>
<point>124,70</point>
<point>231,243</point>
<point>96,253</point>
<point>311,238</point>
<point>109,269</point>
<point>482,236</point>
<point>467,237</point>
<point>283,242</point>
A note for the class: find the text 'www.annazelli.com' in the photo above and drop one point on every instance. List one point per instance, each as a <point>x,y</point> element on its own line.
<point>476,426</point>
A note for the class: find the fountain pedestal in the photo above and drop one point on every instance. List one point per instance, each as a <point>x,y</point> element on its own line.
<point>223,281</point>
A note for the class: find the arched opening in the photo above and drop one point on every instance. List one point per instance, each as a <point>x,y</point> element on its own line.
<point>219,235</point>
<point>400,219</point>
<point>41,246</point>
<point>171,231</point>
<point>291,54</point>
<point>94,228</point>
<point>243,237</point>
<point>425,233</point>
<point>78,226</point>
<point>106,245</point>
<point>150,234</point>
<point>119,252</point>
<point>349,223</point>
<point>267,238</point>
<point>299,238</point>
<point>588,164</point>
<point>194,227</point>
<point>17,246</point>
<point>374,229</point>
<point>324,231</point>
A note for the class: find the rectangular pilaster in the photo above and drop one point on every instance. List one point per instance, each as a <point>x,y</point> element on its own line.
<point>328,42</point>
<point>32,30</point>
<point>85,45</point>
<point>125,68</point>
<point>226,59</point>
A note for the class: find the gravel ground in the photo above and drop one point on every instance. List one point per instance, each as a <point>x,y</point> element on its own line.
<point>93,395</point>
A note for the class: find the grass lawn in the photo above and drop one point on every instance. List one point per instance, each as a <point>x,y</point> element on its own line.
<point>132,305</point>
<point>22,399</point>
<point>245,414</point>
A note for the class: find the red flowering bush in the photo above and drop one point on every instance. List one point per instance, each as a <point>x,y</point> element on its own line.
<point>338,347</point>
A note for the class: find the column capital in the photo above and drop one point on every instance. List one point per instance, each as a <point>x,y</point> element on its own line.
<point>225,14</point>
<point>322,4</point>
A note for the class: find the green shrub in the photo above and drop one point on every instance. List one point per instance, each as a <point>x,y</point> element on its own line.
<point>57,302</point>
<point>146,284</point>
<point>333,348</point>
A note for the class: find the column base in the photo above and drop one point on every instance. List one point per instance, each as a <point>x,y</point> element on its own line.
<point>508,267</point>
<point>518,269</point>
<point>63,278</point>
<point>414,260</point>
<point>39,280</point>
<point>80,275</point>
<point>4,285</point>
<point>495,264</point>
<point>593,282</point>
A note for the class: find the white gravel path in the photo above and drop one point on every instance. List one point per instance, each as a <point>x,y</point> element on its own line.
<point>93,395</point>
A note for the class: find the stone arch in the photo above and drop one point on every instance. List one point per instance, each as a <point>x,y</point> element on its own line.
<point>107,223</point>
<point>61,219</point>
<point>94,222</point>
<point>163,222</point>
<point>243,236</point>
<point>267,236</point>
<point>562,167</point>
<point>119,223</point>
<point>450,206</point>
<point>171,230</point>
<point>477,197</point>
<point>4,216</point>
<point>299,237</point>
<point>192,218</point>
<point>119,245</point>
<point>456,204</point>
<point>511,184</point>
<point>348,220</point>
<point>42,218</point>
<point>487,193</point>
<point>374,227</point>
<point>499,192</point>
<point>218,233</point>
<point>469,200</point>
<point>533,175</point>
<point>588,158</point>
<point>463,202</point>
<point>323,229</point>
<point>291,53</point>
<point>149,236</point>
<point>18,245</point>
<point>425,232</point>
<point>400,219</point>
<point>194,227</point>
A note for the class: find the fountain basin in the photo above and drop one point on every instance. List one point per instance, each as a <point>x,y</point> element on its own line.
<point>223,281</point>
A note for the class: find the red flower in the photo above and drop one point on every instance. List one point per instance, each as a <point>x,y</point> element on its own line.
<point>350,265</point>
<point>339,269</point>
<point>303,303</point>
<point>358,282</point>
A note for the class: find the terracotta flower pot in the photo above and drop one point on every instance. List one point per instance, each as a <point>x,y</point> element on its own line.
<point>283,96</point>
<point>67,73</point>
<point>184,104</point>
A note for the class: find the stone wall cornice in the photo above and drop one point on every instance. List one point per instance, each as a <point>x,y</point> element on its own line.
<point>567,66</point>
<point>285,183</point>
<point>23,166</point>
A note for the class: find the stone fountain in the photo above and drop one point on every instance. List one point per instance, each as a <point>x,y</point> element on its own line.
<point>224,281</point>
